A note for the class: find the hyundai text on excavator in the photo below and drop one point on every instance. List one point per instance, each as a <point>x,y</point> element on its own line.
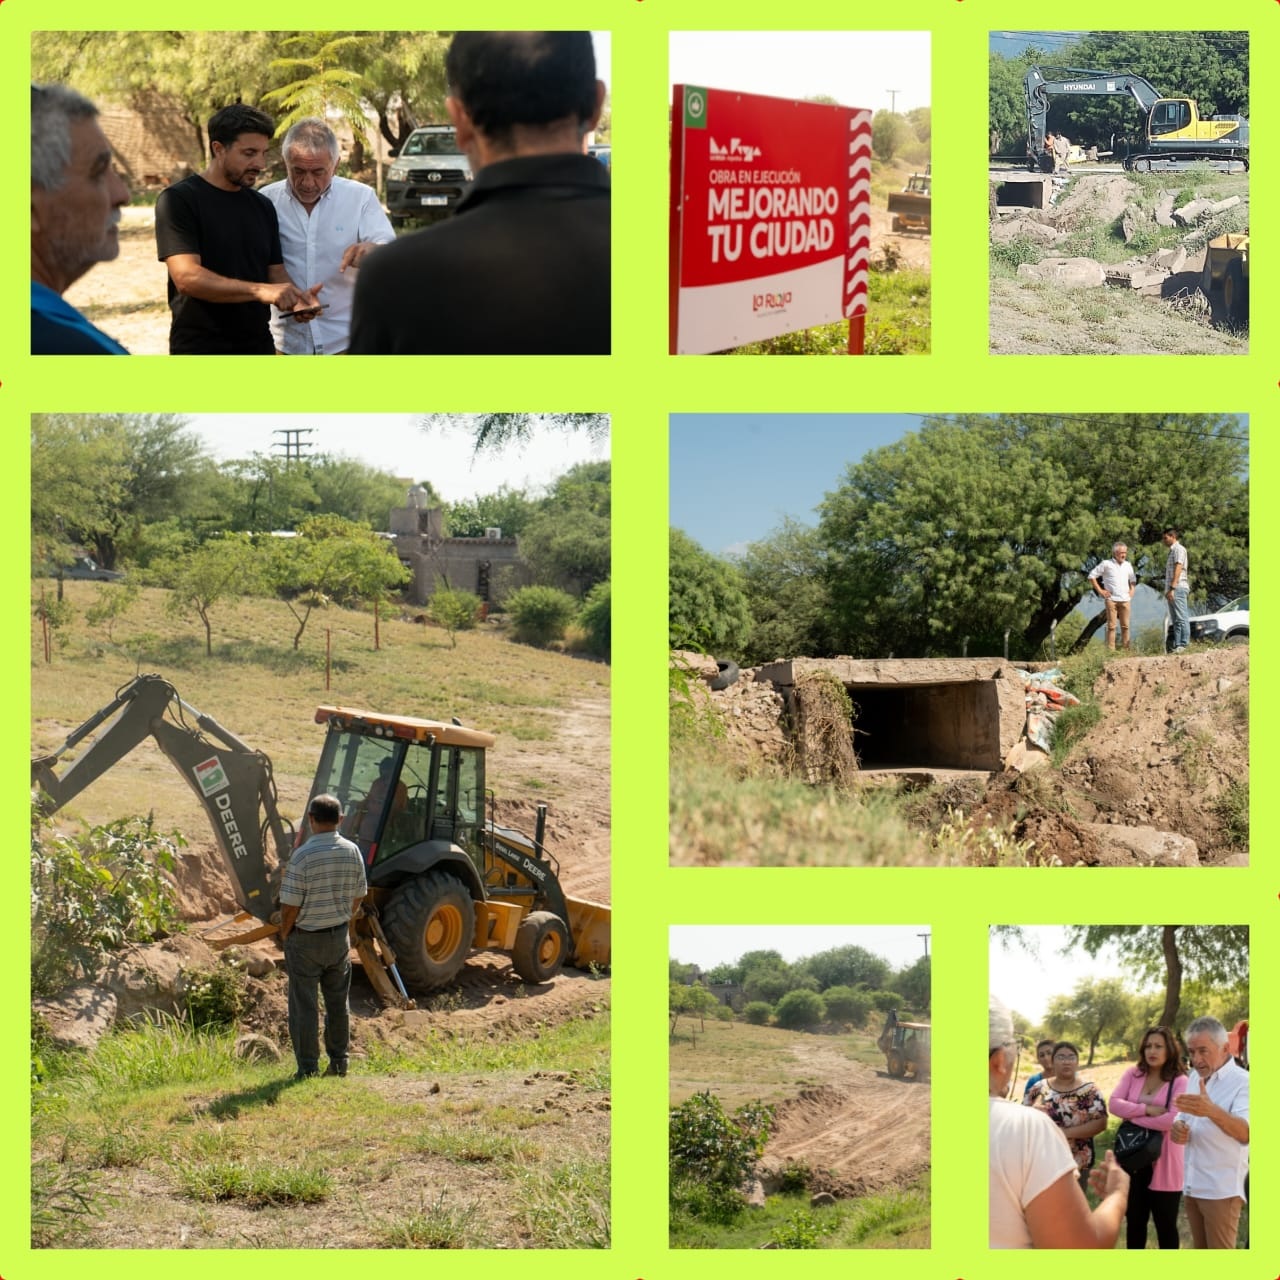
<point>1174,132</point>
<point>444,879</point>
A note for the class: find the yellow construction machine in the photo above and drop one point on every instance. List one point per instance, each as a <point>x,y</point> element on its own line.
<point>444,878</point>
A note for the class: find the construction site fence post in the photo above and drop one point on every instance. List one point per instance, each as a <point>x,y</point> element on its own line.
<point>328,656</point>
<point>857,333</point>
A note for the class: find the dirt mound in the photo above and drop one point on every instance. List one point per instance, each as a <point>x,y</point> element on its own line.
<point>857,1141</point>
<point>1167,755</point>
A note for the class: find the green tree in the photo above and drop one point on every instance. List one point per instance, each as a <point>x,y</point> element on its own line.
<point>493,432</point>
<point>889,132</point>
<point>707,607</point>
<point>111,602</point>
<point>353,490</point>
<point>769,985</point>
<point>848,966</point>
<point>507,509</point>
<point>979,523</point>
<point>218,572</point>
<point>1096,1008</point>
<point>800,1009</point>
<point>915,983</point>
<point>784,577</point>
<point>568,538</point>
<point>1217,954</point>
<point>454,610</point>
<point>596,619</point>
<point>724,973</point>
<point>405,81</point>
<point>757,1012</point>
<point>325,85</point>
<point>921,121</point>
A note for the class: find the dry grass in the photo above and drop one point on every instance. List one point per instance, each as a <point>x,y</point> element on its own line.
<point>262,690</point>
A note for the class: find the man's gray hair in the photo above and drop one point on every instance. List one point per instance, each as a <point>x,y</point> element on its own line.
<point>999,1025</point>
<point>1115,546</point>
<point>310,134</point>
<point>1210,1027</point>
<point>53,107</point>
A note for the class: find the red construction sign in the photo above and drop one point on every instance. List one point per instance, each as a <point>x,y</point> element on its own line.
<point>770,218</point>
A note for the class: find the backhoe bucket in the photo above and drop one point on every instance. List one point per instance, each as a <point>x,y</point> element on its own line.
<point>590,925</point>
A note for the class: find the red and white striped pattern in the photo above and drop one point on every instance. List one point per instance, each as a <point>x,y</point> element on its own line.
<point>856,268</point>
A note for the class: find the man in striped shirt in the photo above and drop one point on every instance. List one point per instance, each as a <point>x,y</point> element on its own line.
<point>321,890</point>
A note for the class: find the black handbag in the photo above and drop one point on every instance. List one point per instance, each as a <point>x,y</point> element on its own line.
<point>1136,1147</point>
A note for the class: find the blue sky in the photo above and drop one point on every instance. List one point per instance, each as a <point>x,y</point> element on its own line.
<point>734,476</point>
<point>1012,43</point>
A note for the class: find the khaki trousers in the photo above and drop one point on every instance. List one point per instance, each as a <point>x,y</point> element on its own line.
<point>1213,1223</point>
<point>1117,614</point>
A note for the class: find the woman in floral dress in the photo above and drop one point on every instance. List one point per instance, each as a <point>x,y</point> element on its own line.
<point>1076,1106</point>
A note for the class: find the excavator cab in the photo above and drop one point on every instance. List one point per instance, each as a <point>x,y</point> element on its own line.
<point>1171,115</point>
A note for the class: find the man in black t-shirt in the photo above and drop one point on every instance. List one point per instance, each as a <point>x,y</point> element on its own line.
<point>221,243</point>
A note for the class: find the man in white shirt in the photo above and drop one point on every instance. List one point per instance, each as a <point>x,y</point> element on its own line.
<point>327,226</point>
<point>1115,581</point>
<point>1213,1124</point>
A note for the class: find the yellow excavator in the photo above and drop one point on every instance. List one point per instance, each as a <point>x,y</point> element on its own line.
<point>444,878</point>
<point>1175,134</point>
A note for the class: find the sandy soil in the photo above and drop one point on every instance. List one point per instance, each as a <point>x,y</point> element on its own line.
<point>914,248</point>
<point>860,1128</point>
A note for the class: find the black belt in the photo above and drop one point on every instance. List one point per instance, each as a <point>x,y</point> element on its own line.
<point>327,929</point>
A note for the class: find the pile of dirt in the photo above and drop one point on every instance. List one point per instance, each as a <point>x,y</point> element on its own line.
<point>752,711</point>
<point>859,1138</point>
<point>1147,785</point>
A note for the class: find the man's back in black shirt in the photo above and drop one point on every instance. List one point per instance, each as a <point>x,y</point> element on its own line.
<point>522,269</point>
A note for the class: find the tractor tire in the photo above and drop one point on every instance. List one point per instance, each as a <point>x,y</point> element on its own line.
<point>726,674</point>
<point>1235,293</point>
<point>897,1064</point>
<point>542,945</point>
<point>430,921</point>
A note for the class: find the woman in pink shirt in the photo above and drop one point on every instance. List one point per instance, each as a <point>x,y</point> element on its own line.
<point>1145,1095</point>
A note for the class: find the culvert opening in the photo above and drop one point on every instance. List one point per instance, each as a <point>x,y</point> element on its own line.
<point>1022,193</point>
<point>952,725</point>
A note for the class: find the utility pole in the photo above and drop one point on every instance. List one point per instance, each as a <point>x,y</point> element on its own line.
<point>925,936</point>
<point>893,99</point>
<point>293,443</point>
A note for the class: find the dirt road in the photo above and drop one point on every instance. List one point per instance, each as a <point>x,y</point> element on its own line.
<point>864,1130</point>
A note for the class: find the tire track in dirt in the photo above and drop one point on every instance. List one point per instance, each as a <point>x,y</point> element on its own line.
<point>860,1130</point>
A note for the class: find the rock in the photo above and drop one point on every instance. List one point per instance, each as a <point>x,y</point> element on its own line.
<point>753,1193</point>
<point>1136,277</point>
<point>256,1048</point>
<point>1224,684</point>
<point>1025,229</point>
<point>1170,260</point>
<point>78,1017</point>
<point>145,979</point>
<point>1164,210</point>
<point>1070,273</point>
<point>1190,214</point>
<point>1223,205</point>
<point>769,1171</point>
<point>821,1200</point>
<point>1129,223</point>
<point>255,965</point>
<point>1141,847</point>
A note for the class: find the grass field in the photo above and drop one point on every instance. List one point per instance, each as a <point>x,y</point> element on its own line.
<point>162,1138</point>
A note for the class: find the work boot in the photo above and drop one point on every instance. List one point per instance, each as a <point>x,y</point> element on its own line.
<point>336,1068</point>
<point>307,1075</point>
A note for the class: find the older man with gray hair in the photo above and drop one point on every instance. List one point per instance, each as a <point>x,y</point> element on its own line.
<point>76,195</point>
<point>1115,581</point>
<point>1213,1124</point>
<point>327,227</point>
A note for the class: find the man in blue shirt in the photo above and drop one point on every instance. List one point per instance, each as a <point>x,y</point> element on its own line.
<point>320,891</point>
<point>76,196</point>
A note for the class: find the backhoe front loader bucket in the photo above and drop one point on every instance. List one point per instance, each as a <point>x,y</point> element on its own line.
<point>590,925</point>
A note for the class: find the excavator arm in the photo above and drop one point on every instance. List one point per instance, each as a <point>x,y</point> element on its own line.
<point>1038,87</point>
<point>232,781</point>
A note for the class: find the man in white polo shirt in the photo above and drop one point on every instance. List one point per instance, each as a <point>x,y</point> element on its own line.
<point>327,226</point>
<point>1115,581</point>
<point>1213,1124</point>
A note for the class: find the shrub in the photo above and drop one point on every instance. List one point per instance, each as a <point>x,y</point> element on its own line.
<point>709,1146</point>
<point>844,1004</point>
<point>803,1230</point>
<point>800,1008</point>
<point>757,1013</point>
<point>796,1176</point>
<point>540,614</point>
<point>596,619</point>
<point>89,897</point>
<point>215,998</point>
<point>454,610</point>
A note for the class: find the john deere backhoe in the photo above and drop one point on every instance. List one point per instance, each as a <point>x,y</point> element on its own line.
<point>1174,132</point>
<point>443,879</point>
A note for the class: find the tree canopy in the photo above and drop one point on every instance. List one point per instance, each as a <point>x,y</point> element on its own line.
<point>974,524</point>
<point>706,605</point>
